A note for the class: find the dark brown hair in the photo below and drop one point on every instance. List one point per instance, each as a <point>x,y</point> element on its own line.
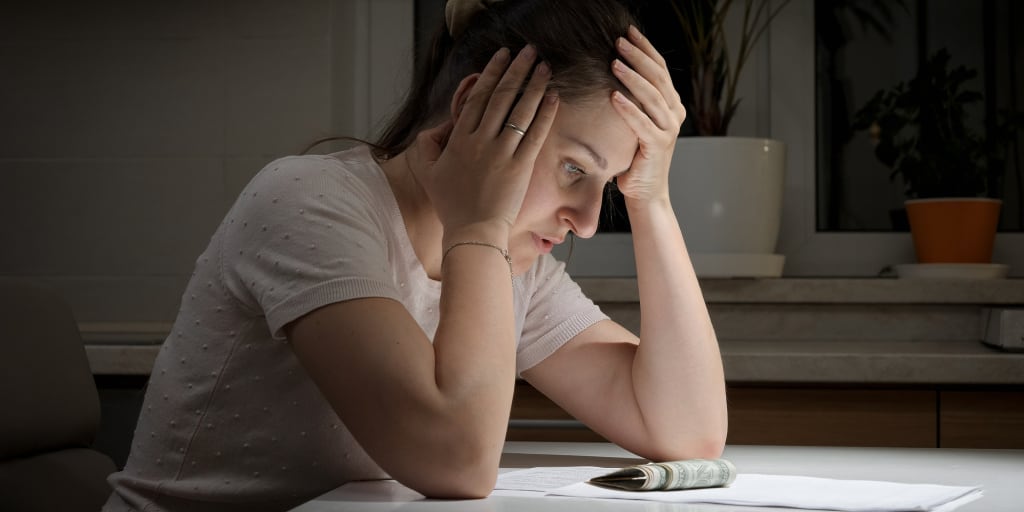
<point>575,37</point>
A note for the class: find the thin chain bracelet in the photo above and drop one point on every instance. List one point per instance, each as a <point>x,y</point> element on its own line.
<point>504,252</point>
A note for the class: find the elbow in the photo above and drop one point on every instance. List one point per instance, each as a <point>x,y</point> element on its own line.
<point>707,444</point>
<point>684,447</point>
<point>469,488</point>
<point>710,448</point>
<point>464,472</point>
<point>460,483</point>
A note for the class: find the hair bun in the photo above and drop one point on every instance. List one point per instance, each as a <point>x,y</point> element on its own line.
<point>457,14</point>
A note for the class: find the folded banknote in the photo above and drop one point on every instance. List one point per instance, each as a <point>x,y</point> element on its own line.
<point>670,476</point>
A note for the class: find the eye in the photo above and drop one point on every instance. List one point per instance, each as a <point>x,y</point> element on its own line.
<point>573,169</point>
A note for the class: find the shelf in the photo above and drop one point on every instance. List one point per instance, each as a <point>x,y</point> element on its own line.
<point>829,291</point>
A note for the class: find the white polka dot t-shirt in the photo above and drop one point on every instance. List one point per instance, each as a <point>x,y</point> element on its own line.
<point>230,420</point>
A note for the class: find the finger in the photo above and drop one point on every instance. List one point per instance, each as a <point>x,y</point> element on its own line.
<point>637,120</point>
<point>525,110</point>
<point>644,44</point>
<point>647,94</point>
<point>530,146</point>
<point>480,94</point>
<point>505,93</point>
<point>646,60</point>
<point>433,140</point>
<point>652,68</point>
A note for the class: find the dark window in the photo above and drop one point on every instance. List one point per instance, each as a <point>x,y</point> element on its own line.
<point>863,46</point>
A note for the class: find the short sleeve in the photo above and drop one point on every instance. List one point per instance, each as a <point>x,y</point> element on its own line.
<point>556,311</point>
<point>306,232</point>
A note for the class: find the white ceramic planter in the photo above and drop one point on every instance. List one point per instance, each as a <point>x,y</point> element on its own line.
<point>727,194</point>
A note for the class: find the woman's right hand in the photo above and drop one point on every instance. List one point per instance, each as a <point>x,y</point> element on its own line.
<point>441,404</point>
<point>476,170</point>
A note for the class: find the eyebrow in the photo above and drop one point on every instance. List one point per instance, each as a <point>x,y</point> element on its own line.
<point>601,162</point>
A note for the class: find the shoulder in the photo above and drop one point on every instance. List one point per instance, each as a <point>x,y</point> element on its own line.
<point>346,182</point>
<point>293,171</point>
<point>323,202</point>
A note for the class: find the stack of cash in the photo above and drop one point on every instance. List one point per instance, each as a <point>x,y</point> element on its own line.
<point>670,476</point>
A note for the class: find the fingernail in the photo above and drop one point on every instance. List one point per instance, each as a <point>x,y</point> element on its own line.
<point>624,45</point>
<point>528,51</point>
<point>543,69</point>
<point>618,65</point>
<point>635,33</point>
<point>551,97</point>
<point>619,97</point>
<point>501,55</point>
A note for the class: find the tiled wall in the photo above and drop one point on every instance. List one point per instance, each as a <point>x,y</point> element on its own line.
<point>129,127</point>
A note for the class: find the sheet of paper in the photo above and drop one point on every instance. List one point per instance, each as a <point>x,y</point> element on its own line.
<point>546,479</point>
<point>802,492</point>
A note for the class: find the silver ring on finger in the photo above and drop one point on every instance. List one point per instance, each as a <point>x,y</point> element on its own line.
<point>512,126</point>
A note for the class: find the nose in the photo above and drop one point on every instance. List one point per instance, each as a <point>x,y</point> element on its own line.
<point>582,213</point>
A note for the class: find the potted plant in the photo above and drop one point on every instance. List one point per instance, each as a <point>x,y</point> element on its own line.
<point>729,189</point>
<point>952,174</point>
<point>716,72</point>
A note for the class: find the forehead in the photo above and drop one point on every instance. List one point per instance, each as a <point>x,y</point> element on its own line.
<point>599,126</point>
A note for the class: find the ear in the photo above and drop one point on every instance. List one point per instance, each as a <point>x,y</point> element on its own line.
<point>462,94</point>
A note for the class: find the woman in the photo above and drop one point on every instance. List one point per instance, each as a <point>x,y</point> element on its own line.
<point>365,314</point>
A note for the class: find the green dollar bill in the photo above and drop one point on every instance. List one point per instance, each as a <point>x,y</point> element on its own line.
<point>670,476</point>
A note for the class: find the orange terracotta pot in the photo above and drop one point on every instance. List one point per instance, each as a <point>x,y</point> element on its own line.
<point>954,230</point>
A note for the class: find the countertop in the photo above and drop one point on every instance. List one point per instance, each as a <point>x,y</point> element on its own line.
<point>999,472</point>
<point>827,290</point>
<point>874,362</point>
<point>805,330</point>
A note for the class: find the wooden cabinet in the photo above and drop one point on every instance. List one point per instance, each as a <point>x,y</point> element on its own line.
<point>825,416</point>
<point>832,417</point>
<point>982,419</point>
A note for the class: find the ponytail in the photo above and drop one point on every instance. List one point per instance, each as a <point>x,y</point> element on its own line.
<point>410,118</point>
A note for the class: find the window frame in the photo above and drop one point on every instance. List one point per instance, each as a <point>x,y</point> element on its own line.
<point>810,252</point>
<point>782,72</point>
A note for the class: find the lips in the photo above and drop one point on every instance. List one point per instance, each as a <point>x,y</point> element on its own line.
<point>546,244</point>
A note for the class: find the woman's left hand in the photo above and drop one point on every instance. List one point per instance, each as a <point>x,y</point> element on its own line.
<point>656,125</point>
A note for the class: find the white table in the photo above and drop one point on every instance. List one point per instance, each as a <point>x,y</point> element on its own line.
<point>999,472</point>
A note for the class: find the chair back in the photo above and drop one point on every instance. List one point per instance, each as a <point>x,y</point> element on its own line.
<point>51,406</point>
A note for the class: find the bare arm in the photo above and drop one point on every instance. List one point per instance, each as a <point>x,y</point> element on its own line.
<point>679,350</point>
<point>662,396</point>
<point>434,416</point>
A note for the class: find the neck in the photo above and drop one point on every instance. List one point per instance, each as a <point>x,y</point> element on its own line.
<point>418,215</point>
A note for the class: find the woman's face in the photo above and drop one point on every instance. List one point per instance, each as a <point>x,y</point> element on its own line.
<point>587,147</point>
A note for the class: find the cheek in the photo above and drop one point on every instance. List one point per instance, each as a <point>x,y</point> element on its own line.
<point>544,189</point>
